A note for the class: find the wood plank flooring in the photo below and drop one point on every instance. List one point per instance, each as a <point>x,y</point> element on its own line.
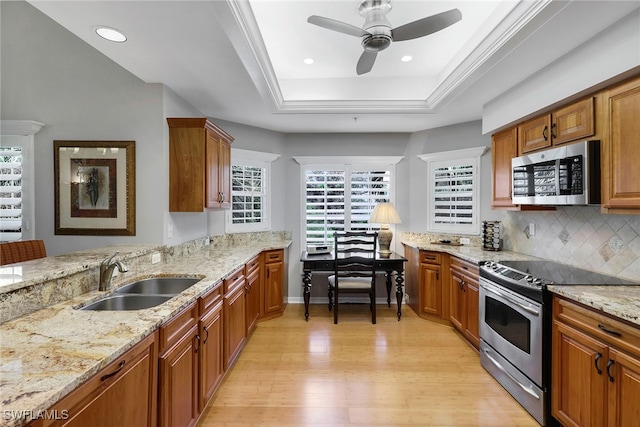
<point>407,373</point>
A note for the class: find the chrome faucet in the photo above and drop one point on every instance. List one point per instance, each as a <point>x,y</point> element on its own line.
<point>106,271</point>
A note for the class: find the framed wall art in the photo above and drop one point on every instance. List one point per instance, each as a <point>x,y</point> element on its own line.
<point>95,187</point>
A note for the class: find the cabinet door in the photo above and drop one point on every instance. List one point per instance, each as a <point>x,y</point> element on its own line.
<point>457,301</point>
<point>624,390</point>
<point>252,300</point>
<point>431,292</point>
<point>534,134</point>
<point>621,148</point>
<point>211,354</point>
<point>573,122</point>
<point>504,147</point>
<point>122,394</point>
<point>273,287</point>
<point>579,377</point>
<point>187,175</point>
<point>213,173</point>
<point>224,169</point>
<point>179,383</point>
<point>234,325</point>
<point>473,300</point>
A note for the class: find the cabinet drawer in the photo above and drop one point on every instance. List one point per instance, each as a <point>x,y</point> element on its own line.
<point>274,256</point>
<point>599,325</point>
<point>429,257</point>
<point>234,280</point>
<point>176,328</point>
<point>252,265</point>
<point>210,299</point>
<point>465,267</point>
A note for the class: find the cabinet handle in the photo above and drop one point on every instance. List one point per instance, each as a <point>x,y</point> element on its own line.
<point>198,338</point>
<point>598,357</point>
<point>437,275</point>
<point>544,133</point>
<point>553,131</point>
<point>609,365</point>
<point>120,366</point>
<point>609,331</point>
<point>206,337</point>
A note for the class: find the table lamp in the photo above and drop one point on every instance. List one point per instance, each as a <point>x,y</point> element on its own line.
<point>384,214</point>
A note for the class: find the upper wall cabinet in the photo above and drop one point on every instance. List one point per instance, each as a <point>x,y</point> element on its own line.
<point>504,147</point>
<point>199,165</point>
<point>621,147</point>
<point>570,123</point>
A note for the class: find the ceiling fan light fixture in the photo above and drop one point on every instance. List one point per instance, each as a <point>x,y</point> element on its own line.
<point>110,34</point>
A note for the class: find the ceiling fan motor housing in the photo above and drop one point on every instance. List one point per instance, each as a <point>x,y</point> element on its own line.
<point>376,24</point>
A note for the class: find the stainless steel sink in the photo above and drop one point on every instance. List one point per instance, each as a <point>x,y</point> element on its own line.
<point>158,286</point>
<point>122,302</point>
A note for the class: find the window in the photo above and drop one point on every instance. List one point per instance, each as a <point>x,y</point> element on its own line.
<point>453,194</point>
<point>339,196</point>
<point>16,179</point>
<point>250,174</point>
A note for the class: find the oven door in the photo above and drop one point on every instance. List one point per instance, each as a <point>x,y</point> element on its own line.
<point>512,325</point>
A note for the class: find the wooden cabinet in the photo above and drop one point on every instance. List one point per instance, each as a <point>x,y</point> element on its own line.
<point>124,393</point>
<point>211,352</point>
<point>621,147</point>
<point>425,275</point>
<point>234,316</point>
<point>274,283</point>
<point>252,293</point>
<point>570,123</point>
<point>465,299</point>
<point>504,147</point>
<point>595,368</point>
<point>179,344</point>
<point>199,165</point>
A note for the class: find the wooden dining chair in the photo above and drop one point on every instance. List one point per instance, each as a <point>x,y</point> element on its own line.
<point>20,251</point>
<point>354,268</point>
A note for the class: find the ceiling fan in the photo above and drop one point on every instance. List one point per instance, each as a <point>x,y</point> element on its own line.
<point>377,34</point>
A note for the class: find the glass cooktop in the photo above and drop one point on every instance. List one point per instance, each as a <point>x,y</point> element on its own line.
<point>561,274</point>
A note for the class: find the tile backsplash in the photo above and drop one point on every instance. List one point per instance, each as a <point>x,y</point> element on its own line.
<point>580,236</point>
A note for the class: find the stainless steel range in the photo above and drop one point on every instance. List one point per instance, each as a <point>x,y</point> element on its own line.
<point>515,325</point>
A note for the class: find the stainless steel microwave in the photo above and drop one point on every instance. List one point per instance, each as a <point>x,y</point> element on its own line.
<point>567,175</point>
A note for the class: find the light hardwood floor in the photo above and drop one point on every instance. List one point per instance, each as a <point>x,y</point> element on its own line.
<point>407,373</point>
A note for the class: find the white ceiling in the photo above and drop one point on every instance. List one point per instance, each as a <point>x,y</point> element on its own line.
<point>242,61</point>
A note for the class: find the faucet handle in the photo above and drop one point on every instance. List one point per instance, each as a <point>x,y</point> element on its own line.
<point>108,260</point>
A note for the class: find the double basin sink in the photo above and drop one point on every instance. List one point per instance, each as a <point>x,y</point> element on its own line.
<point>141,294</point>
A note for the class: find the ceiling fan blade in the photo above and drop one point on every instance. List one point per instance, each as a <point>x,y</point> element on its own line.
<point>332,24</point>
<point>425,26</point>
<point>366,61</point>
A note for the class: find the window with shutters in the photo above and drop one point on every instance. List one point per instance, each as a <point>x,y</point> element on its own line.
<point>341,197</point>
<point>250,181</point>
<point>11,193</point>
<point>453,196</point>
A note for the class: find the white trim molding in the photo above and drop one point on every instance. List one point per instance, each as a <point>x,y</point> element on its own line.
<point>347,160</point>
<point>454,154</point>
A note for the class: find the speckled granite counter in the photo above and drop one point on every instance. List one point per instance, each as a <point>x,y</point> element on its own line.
<point>47,354</point>
<point>472,254</point>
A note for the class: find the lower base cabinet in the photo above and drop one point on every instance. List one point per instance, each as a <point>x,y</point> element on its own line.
<point>122,394</point>
<point>234,317</point>
<point>465,299</point>
<point>211,353</point>
<point>178,370</point>
<point>595,368</point>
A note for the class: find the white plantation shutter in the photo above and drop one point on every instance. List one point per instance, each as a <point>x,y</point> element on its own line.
<point>454,196</point>
<point>368,188</point>
<point>10,193</point>
<point>342,196</point>
<point>325,204</point>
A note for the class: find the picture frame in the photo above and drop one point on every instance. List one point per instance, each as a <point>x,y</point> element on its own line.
<point>95,188</point>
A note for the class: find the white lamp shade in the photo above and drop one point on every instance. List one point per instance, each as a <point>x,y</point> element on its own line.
<point>385,213</point>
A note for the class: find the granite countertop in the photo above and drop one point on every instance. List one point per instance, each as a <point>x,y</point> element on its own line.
<point>47,354</point>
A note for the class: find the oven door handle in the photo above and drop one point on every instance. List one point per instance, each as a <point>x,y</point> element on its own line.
<point>514,379</point>
<point>512,301</point>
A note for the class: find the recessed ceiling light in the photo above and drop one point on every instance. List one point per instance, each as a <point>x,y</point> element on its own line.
<point>406,58</point>
<point>111,34</point>
<point>309,61</point>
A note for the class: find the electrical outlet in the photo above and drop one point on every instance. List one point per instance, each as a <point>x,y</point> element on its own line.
<point>156,258</point>
<point>532,229</point>
<point>170,231</point>
<point>465,240</point>
<point>207,241</point>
